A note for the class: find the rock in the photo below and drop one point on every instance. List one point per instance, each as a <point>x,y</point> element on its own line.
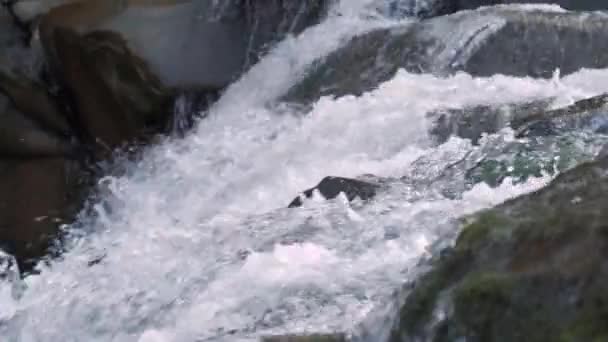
<point>331,187</point>
<point>527,119</point>
<point>306,338</point>
<point>116,98</point>
<point>186,43</point>
<point>22,138</point>
<point>482,43</point>
<point>590,114</point>
<point>14,53</point>
<point>532,268</point>
<point>270,21</point>
<point>415,8</point>
<point>190,106</point>
<point>472,123</point>
<point>33,101</point>
<point>38,195</point>
<point>433,8</point>
<point>575,5</point>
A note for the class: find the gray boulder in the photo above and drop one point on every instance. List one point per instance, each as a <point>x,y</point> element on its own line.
<point>533,268</point>
<point>494,40</point>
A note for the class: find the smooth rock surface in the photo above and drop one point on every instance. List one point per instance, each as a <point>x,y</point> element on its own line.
<point>533,268</point>
<point>517,41</point>
<point>44,192</point>
<point>186,43</point>
<point>331,187</point>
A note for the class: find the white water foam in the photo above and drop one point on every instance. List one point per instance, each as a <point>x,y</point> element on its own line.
<point>195,242</point>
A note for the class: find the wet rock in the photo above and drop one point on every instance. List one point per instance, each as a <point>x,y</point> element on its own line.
<point>589,114</point>
<point>33,101</point>
<point>116,98</point>
<point>433,8</point>
<point>186,43</point>
<point>482,42</point>
<point>574,5</point>
<point>306,338</point>
<point>270,21</point>
<point>527,119</point>
<point>331,187</point>
<point>22,138</point>
<point>472,123</point>
<point>533,268</point>
<point>190,105</point>
<point>38,195</point>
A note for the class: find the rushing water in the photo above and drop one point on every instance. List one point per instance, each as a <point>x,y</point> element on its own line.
<point>195,242</point>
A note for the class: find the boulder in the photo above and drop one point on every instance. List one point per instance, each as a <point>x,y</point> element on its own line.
<point>186,43</point>
<point>484,42</point>
<point>116,98</point>
<point>527,119</point>
<point>588,114</point>
<point>38,196</point>
<point>574,5</point>
<point>306,338</point>
<point>34,102</point>
<point>433,8</point>
<point>331,187</point>
<point>270,21</point>
<point>471,123</point>
<point>533,268</point>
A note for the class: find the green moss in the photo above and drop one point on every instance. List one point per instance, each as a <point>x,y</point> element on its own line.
<point>477,232</point>
<point>422,301</point>
<point>592,323</point>
<point>481,300</point>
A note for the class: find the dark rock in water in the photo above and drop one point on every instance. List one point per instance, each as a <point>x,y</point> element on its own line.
<point>533,268</point>
<point>189,106</point>
<point>185,43</point>
<point>331,187</point>
<point>472,123</point>
<point>116,99</point>
<point>22,138</point>
<point>590,114</point>
<point>416,8</point>
<point>306,338</point>
<point>33,101</point>
<point>527,119</point>
<point>270,21</point>
<point>38,195</point>
<point>432,8</point>
<point>482,42</point>
<point>575,5</point>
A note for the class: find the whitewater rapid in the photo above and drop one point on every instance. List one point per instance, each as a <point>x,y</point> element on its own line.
<point>195,243</point>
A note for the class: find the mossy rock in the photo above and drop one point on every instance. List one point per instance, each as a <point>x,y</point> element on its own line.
<point>533,269</point>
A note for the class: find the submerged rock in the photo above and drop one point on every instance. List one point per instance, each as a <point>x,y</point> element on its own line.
<point>590,114</point>
<point>533,268</point>
<point>575,5</point>
<point>331,187</point>
<point>306,338</point>
<point>527,119</point>
<point>484,42</point>
<point>471,123</point>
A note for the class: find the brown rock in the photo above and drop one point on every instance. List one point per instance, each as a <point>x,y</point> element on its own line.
<point>37,202</point>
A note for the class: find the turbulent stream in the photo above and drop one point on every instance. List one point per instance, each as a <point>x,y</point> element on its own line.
<point>195,243</point>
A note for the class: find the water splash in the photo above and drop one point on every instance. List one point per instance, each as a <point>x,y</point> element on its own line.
<point>194,243</point>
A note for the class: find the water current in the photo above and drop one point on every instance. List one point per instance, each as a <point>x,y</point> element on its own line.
<point>195,243</point>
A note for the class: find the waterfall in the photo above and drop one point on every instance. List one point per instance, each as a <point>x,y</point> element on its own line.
<point>195,241</point>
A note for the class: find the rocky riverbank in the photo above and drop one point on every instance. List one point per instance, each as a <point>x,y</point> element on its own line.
<point>84,84</point>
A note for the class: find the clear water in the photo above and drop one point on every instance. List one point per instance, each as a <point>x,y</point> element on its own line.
<point>195,242</point>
